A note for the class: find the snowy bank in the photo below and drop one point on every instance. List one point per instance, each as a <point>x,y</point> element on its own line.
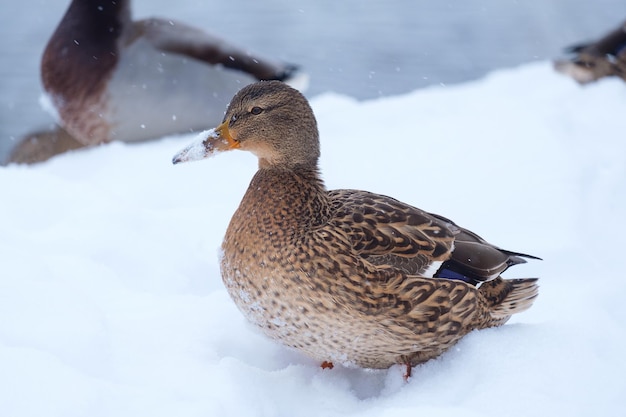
<point>111,303</point>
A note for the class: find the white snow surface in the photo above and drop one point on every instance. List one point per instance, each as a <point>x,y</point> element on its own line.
<point>111,301</point>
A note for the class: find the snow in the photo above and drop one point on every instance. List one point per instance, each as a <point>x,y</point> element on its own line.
<point>197,150</point>
<point>47,104</point>
<point>111,303</point>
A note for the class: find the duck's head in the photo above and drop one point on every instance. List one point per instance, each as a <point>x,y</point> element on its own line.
<point>269,119</point>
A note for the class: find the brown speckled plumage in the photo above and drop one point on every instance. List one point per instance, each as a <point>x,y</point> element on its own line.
<point>346,276</point>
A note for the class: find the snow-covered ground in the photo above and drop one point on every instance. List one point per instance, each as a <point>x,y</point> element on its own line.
<point>111,303</point>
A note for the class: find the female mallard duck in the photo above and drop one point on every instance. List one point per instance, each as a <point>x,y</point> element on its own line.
<point>111,78</point>
<point>346,276</point>
<point>603,58</point>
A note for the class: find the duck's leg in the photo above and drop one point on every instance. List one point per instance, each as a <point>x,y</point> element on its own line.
<point>327,365</point>
<point>407,362</point>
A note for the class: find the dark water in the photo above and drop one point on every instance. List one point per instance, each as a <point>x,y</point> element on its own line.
<point>364,49</point>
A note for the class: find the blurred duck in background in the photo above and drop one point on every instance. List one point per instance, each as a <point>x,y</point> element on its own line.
<point>107,77</point>
<point>592,61</point>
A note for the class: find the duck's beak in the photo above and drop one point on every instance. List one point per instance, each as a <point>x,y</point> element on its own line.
<point>207,144</point>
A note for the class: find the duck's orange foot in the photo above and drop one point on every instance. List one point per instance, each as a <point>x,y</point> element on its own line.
<point>327,365</point>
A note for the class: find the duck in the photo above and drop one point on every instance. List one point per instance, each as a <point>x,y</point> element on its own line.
<point>41,145</point>
<point>108,77</point>
<point>346,276</point>
<point>592,61</point>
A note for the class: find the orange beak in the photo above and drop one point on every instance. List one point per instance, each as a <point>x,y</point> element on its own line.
<point>207,144</point>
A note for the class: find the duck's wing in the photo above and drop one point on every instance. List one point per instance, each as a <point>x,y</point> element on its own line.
<point>387,232</point>
<point>175,37</point>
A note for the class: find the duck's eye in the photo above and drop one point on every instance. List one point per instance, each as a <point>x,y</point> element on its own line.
<point>256,110</point>
<point>233,118</point>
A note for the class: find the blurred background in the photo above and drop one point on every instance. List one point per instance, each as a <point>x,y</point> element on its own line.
<point>364,49</point>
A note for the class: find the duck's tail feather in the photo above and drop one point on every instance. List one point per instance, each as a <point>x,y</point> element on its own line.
<point>506,297</point>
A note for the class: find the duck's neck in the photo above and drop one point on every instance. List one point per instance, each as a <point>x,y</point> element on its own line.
<point>287,198</point>
<point>84,47</point>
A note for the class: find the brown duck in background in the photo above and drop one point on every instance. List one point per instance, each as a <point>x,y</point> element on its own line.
<point>108,78</point>
<point>346,276</point>
<point>603,58</point>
